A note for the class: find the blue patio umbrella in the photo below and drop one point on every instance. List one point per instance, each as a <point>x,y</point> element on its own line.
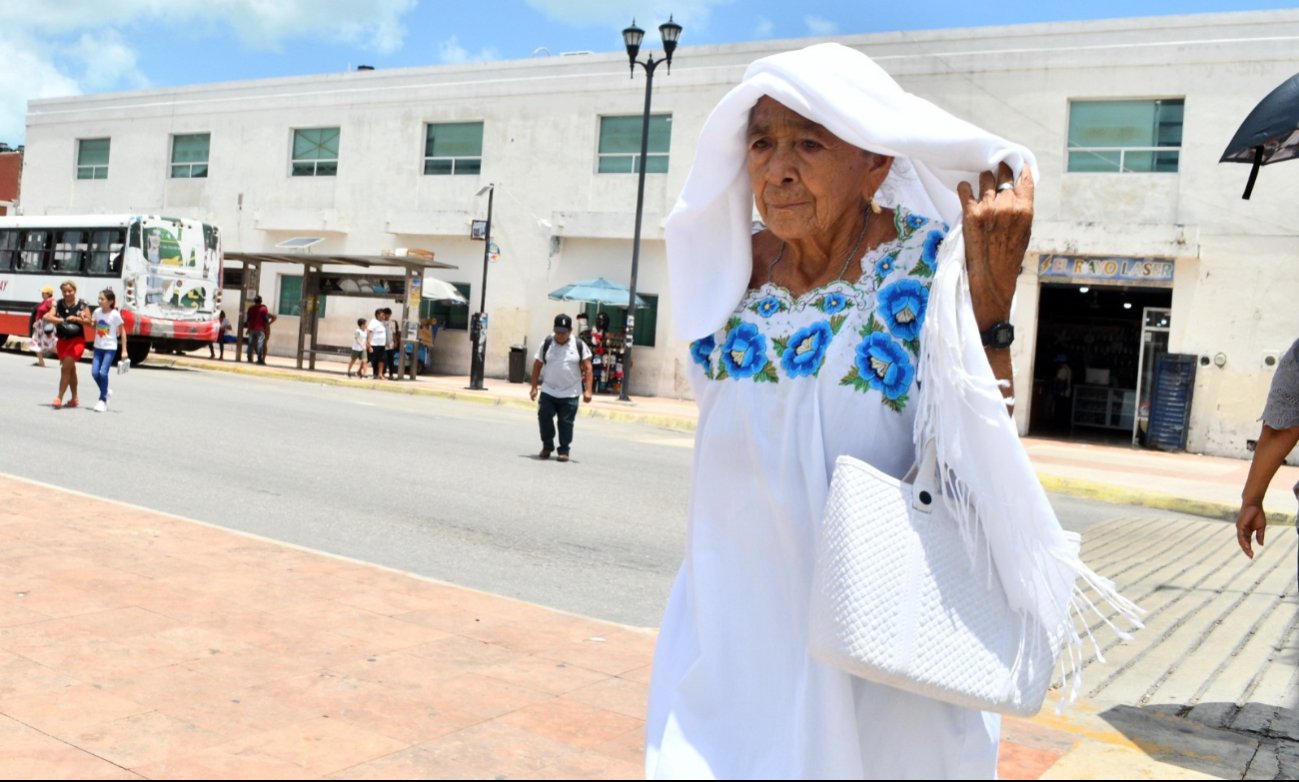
<point>596,291</point>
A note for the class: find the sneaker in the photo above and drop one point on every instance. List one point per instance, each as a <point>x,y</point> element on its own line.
<point>545,453</point>
<point>101,406</point>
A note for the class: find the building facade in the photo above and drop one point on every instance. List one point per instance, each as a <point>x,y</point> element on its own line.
<point>11,171</point>
<point>1141,237</point>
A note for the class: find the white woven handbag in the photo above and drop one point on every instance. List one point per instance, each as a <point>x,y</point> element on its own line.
<point>897,600</point>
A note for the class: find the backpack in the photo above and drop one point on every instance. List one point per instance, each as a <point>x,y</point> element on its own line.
<point>583,352</point>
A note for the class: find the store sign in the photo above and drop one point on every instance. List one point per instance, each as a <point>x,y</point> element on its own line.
<point>1092,268</point>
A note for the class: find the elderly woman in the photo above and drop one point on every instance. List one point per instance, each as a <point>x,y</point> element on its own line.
<point>806,347</point>
<point>71,317</point>
<point>42,331</point>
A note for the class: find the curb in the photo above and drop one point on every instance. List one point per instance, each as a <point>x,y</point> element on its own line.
<point>1115,494</point>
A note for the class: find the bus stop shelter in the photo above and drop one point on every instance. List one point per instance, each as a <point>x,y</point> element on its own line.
<point>414,266</point>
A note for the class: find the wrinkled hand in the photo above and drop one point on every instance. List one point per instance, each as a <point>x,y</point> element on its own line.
<point>997,228</point>
<point>1251,521</point>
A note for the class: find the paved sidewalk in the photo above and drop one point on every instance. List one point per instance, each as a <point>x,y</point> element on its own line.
<point>1188,483</point>
<point>134,644</point>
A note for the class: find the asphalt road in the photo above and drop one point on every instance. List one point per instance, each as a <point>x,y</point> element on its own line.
<point>446,489</point>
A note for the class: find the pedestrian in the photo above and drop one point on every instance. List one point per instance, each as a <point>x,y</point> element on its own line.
<point>1277,439</point>
<point>70,317</point>
<point>42,331</point>
<point>394,343</point>
<point>109,328</point>
<point>358,350</point>
<point>562,369</point>
<point>223,336</point>
<point>376,344</point>
<point>806,343</point>
<point>259,320</point>
<point>1062,394</point>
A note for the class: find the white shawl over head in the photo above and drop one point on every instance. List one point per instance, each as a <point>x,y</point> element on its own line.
<point>990,484</point>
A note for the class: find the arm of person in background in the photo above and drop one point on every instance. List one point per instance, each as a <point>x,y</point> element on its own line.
<point>997,227</point>
<point>587,376</point>
<point>1273,446</point>
<point>536,379</point>
<point>121,336</point>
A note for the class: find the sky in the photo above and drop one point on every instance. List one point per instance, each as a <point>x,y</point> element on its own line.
<point>57,48</point>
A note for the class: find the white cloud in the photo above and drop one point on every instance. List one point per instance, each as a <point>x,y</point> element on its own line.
<point>450,51</point>
<point>690,14</point>
<point>55,49</point>
<point>817,25</point>
<point>763,28</point>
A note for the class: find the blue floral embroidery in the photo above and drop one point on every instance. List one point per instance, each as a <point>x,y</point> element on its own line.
<point>768,306</point>
<point>885,265</point>
<point>912,223</point>
<point>833,303</point>
<point>883,365</point>
<point>805,351</point>
<point>701,350</point>
<point>744,354</point>
<point>902,308</point>
<point>932,242</point>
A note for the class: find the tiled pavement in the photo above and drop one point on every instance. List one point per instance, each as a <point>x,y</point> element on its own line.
<point>137,644</point>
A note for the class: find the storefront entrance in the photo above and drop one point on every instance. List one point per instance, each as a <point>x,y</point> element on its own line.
<point>1096,345</point>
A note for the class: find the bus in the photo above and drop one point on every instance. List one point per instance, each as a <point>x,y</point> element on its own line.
<point>166,272</point>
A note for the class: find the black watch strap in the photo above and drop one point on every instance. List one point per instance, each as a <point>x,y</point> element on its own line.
<point>998,335</point>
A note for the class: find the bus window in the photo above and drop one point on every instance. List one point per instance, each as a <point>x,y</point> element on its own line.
<point>8,250</point>
<point>70,251</point>
<point>35,254</point>
<point>106,253</point>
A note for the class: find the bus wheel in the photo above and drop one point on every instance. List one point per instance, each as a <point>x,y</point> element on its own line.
<point>137,350</point>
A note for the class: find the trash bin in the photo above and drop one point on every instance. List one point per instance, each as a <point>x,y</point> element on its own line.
<point>518,370</point>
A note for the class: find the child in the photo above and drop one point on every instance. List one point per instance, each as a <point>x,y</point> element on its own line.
<point>108,326</point>
<point>358,349</point>
<point>223,336</point>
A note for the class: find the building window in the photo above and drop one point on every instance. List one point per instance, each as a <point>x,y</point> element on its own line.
<point>315,152</point>
<point>189,155</point>
<point>453,148</point>
<point>1125,136</point>
<point>646,330</point>
<point>291,297</point>
<point>92,158</point>
<point>449,315</point>
<point>620,144</point>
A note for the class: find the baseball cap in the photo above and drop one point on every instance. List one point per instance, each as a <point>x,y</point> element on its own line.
<point>563,323</point>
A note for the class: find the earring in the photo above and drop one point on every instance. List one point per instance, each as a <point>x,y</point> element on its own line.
<point>875,208</point>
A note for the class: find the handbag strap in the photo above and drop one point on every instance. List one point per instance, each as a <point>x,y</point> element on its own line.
<point>924,482</point>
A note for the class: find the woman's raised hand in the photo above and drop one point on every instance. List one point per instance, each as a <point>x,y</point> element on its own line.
<point>997,226</point>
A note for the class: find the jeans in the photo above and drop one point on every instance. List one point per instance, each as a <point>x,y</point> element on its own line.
<point>257,346</point>
<point>566,409</point>
<point>99,368</point>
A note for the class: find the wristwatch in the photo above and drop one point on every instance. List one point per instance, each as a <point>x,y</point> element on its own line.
<point>998,335</point>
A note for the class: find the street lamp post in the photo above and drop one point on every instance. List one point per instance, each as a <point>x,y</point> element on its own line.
<point>632,36</point>
<point>478,328</point>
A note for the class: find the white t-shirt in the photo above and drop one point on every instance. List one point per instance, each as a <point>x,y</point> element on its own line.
<point>358,339</point>
<point>106,326</point>
<point>378,334</point>
<point>561,370</point>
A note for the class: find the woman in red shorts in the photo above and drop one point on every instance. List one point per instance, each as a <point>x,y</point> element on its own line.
<point>70,317</point>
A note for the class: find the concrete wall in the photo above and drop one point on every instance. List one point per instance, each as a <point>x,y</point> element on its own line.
<point>557,220</point>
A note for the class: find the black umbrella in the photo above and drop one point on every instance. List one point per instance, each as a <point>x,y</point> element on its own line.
<point>1270,133</point>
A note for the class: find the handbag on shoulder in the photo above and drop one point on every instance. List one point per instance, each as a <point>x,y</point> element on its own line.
<point>898,599</point>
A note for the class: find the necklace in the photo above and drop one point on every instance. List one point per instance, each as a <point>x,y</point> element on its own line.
<point>846,261</point>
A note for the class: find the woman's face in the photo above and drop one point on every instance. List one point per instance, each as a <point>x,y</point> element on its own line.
<point>806,181</point>
<point>69,293</point>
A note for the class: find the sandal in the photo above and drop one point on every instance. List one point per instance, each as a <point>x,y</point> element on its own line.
<point>73,403</point>
<point>57,403</point>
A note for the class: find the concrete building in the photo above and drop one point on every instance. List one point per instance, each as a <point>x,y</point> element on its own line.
<point>1127,117</point>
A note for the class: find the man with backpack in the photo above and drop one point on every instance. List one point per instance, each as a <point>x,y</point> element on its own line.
<point>562,369</point>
